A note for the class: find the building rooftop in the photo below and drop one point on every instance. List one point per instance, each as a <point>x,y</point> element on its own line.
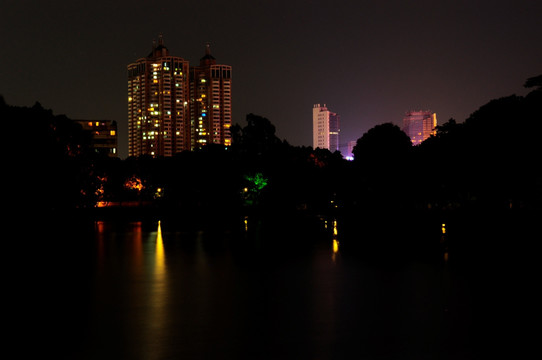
<point>207,58</point>
<point>158,50</point>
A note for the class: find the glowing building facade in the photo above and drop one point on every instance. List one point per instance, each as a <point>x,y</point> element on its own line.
<point>325,128</point>
<point>172,107</point>
<point>210,102</point>
<point>158,104</point>
<point>419,125</point>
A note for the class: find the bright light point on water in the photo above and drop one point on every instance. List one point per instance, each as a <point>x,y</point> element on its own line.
<point>444,228</point>
<point>335,246</point>
<point>159,257</point>
<point>159,232</point>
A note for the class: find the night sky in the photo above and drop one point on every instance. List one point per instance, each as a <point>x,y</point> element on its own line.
<point>369,61</point>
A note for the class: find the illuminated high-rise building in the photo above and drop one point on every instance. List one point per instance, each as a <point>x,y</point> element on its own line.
<point>419,125</point>
<point>325,128</point>
<point>158,123</point>
<point>210,102</point>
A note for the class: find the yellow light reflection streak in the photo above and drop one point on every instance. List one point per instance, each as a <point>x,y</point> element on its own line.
<point>335,244</point>
<point>160,263</point>
<point>157,304</point>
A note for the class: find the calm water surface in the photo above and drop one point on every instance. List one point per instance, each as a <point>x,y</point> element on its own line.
<point>144,290</point>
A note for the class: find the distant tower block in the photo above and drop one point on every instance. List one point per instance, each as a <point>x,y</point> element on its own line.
<point>210,102</point>
<point>325,128</point>
<point>419,125</point>
<point>158,123</point>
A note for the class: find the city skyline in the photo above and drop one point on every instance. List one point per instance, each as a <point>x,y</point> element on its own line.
<point>367,59</point>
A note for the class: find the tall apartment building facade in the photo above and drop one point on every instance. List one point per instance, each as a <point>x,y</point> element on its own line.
<point>165,105</point>
<point>210,102</point>
<point>325,128</point>
<point>419,125</point>
<point>158,104</point>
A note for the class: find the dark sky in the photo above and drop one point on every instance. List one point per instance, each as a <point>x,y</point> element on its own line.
<point>369,61</point>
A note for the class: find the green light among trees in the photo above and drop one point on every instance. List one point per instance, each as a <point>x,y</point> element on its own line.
<point>258,181</point>
<point>253,188</point>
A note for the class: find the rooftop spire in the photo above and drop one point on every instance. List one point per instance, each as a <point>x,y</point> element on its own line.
<point>208,59</point>
<point>158,49</point>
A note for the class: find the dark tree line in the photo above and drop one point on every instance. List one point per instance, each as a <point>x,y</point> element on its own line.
<point>490,160</point>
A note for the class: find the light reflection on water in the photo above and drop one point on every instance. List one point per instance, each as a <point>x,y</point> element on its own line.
<point>160,260</point>
<point>171,294</point>
<point>335,241</point>
<point>158,314</point>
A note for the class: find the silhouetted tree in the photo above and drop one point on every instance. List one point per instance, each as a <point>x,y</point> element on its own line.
<point>257,137</point>
<point>49,160</point>
<point>534,82</point>
<point>380,160</point>
<point>490,159</point>
<point>383,146</point>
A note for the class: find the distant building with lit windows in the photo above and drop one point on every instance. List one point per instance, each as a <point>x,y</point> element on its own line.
<point>210,102</point>
<point>419,125</point>
<point>325,128</point>
<point>158,104</point>
<point>173,107</point>
<point>104,135</point>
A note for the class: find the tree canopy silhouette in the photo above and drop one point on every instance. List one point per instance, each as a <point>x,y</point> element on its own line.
<point>382,144</point>
<point>257,137</point>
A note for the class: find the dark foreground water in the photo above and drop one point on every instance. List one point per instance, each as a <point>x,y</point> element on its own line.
<point>129,290</point>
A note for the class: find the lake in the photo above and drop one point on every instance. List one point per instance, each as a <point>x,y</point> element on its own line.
<point>260,290</point>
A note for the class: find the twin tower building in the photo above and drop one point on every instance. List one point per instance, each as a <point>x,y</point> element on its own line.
<point>173,107</point>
